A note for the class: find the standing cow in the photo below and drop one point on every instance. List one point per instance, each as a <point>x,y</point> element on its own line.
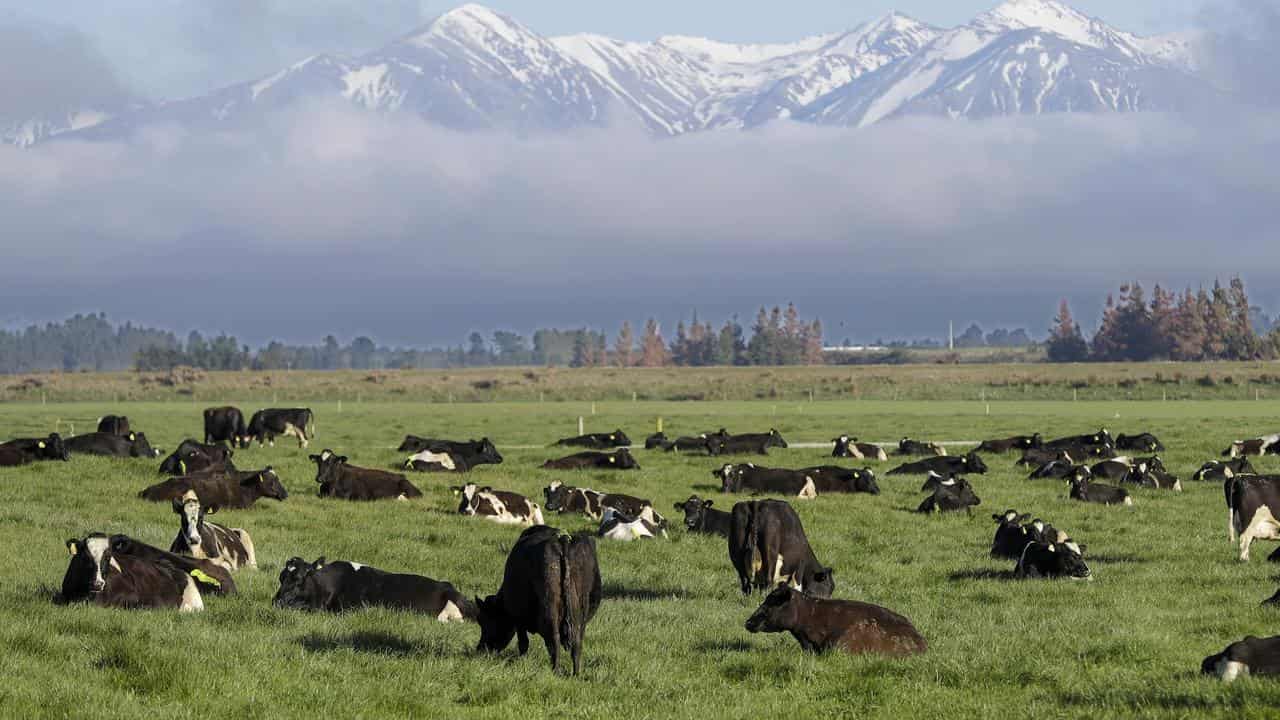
<point>265,425</point>
<point>767,545</point>
<point>225,425</point>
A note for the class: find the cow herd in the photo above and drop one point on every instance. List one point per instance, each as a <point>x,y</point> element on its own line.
<point>551,584</point>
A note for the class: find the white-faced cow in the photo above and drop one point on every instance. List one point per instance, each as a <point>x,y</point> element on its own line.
<point>550,587</point>
<point>700,517</point>
<point>767,546</point>
<point>341,585</point>
<point>266,425</point>
<point>619,459</point>
<point>597,441</point>
<point>95,575</point>
<point>561,498</point>
<point>225,425</point>
<point>231,548</point>
<point>233,490</point>
<point>625,528</point>
<point>132,445</point>
<point>339,480</point>
<point>1253,504</point>
<point>824,624</point>
<point>1014,533</point>
<point>1250,656</point>
<point>498,506</point>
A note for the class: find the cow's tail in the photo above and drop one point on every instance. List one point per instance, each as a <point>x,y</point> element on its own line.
<point>752,555</point>
<point>570,622</point>
<point>1232,488</point>
<point>310,425</point>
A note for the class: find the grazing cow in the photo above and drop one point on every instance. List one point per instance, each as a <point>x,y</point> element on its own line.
<point>1253,504</point>
<point>210,576</point>
<point>1052,561</point>
<point>1142,442</point>
<point>232,490</point>
<point>265,425</point>
<point>823,624</point>
<point>563,499</point>
<point>500,506</point>
<point>748,477</point>
<point>123,446</point>
<point>971,463</point>
<point>907,446</point>
<point>700,517</point>
<point>342,585</point>
<point>1100,438</point>
<point>836,479</point>
<point>231,548</point>
<point>433,455</point>
<point>656,441</point>
<point>625,528</point>
<point>1017,442</point>
<point>225,425</point>
<point>747,444</point>
<point>96,575</point>
<point>1222,470</point>
<point>1255,446</point>
<point>1084,490</point>
<point>619,459</point>
<point>1250,656</point>
<point>597,441</point>
<point>113,425</point>
<point>339,480</point>
<point>846,446</point>
<point>767,545</point>
<point>551,587</point>
<point>47,448</point>
<point>949,495</point>
<point>1012,535</point>
<point>194,457</point>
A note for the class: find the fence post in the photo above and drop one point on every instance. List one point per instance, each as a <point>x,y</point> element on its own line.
<point>580,426</point>
<point>1074,394</point>
<point>659,424</point>
<point>593,408</point>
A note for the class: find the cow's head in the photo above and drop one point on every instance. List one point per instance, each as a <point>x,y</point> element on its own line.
<point>695,510</point>
<point>1102,437</point>
<point>775,439</point>
<point>1035,441</point>
<point>619,438</point>
<point>1011,518</point>
<point>53,448</point>
<point>779,612</point>
<point>191,514</point>
<point>328,465</point>
<point>1067,559</point>
<point>556,495</point>
<point>820,582</point>
<point>496,626</point>
<point>623,460</point>
<point>973,463</point>
<point>293,582</point>
<point>91,564</point>
<point>864,481</point>
<point>488,452</point>
<point>140,447</point>
<point>730,477</point>
<point>842,444</point>
<point>268,482</point>
<point>469,499</point>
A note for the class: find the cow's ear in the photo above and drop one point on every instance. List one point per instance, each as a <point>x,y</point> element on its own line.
<point>706,503</point>
<point>314,458</point>
<point>341,459</point>
<point>177,505</point>
<point>1083,548</point>
<point>73,546</point>
<point>211,510</point>
<point>319,563</point>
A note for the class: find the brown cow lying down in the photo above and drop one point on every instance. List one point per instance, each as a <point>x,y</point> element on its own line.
<point>822,624</point>
<point>95,575</point>
<point>337,479</point>
<point>232,490</point>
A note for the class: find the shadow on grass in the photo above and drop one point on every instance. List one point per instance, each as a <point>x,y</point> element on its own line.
<point>617,591</point>
<point>982,574</point>
<point>724,646</point>
<point>374,643</point>
<point>1116,558</point>
<point>707,488</point>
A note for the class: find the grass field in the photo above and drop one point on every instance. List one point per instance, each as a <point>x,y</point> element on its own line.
<point>668,640</point>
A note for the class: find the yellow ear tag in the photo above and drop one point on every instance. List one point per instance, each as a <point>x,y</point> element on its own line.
<point>613,459</point>
<point>613,437</point>
<point>203,577</point>
<point>182,466</point>
<point>132,437</point>
<point>40,445</point>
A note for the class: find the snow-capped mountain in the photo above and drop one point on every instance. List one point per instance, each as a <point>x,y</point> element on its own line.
<point>474,68</point>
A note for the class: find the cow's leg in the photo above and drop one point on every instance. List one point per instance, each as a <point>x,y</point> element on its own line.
<point>1231,524</point>
<point>522,640</point>
<point>251,557</point>
<point>1263,525</point>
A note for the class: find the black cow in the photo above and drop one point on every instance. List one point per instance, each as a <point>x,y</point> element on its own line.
<point>131,445</point>
<point>342,585</point>
<point>1253,504</point>
<point>1012,536</point>
<point>339,480</point>
<point>1017,442</point>
<point>231,548</point>
<point>1073,454</point>
<point>835,479</point>
<point>698,444</point>
<point>113,425</point>
<point>1100,438</point>
<point>945,466</point>
<point>598,441</point>
<point>747,444</point>
<point>225,425</point>
<point>265,425</point>
<point>563,499</point>
<point>950,495</point>
<point>96,575</point>
<point>193,457</point>
<point>1250,656</point>
<point>823,624</point>
<point>1084,490</point>
<point>907,446</point>
<point>767,545</point>
<point>1055,469</point>
<point>1142,442</point>
<point>234,490</point>
<point>1222,470</point>
<point>551,587</point>
<point>847,446</point>
<point>656,441</point>
<point>700,517</point>
<point>1053,560</point>
<point>1118,468</point>
<point>13,457</point>
<point>619,459</point>
<point>210,577</point>
<point>46,448</point>
<point>748,477</point>
<point>449,455</point>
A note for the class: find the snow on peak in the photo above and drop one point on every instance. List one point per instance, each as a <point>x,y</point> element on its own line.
<point>713,52</point>
<point>1049,15</point>
<point>472,24</point>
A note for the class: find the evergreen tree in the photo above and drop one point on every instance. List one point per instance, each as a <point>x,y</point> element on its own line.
<point>624,346</point>
<point>1066,342</point>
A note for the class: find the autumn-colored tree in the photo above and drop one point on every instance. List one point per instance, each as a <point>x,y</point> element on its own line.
<point>624,346</point>
<point>1188,333</point>
<point>1163,315</point>
<point>1066,342</point>
<point>813,344</point>
<point>653,351</point>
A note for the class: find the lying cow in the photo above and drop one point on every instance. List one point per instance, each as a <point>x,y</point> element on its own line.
<point>656,441</point>
<point>767,546</point>
<point>696,444</point>
<point>1142,442</point>
<point>499,506</point>
<point>1052,561</point>
<point>1255,446</point>
<point>231,548</point>
<point>849,447</point>
<point>1014,533</point>
<point>625,528</point>
<point>1056,469</point>
<point>1223,470</point>
<point>1152,476</point>
<point>266,425</point>
<point>561,498</point>
<point>192,457</point>
<point>1085,490</point>
<point>907,446</point>
<point>823,624</point>
<point>1074,454</point>
<point>1253,504</point>
<point>13,457</point>
<point>225,425</point>
<point>948,495</point>
<point>113,425</point>
<point>1100,438</point>
<point>1250,656</point>
<point>747,444</point>
<point>597,441</point>
<point>210,577</point>
<point>945,466</point>
<point>750,478</point>
<point>33,449</point>
<point>339,480</point>
<point>133,445</point>
<point>96,575</point>
<point>830,479</point>
<point>340,586</point>
<point>233,490</point>
<point>450,455</point>
<point>700,517</point>
<point>551,587</point>
<point>619,459</point>
<point>1017,442</point>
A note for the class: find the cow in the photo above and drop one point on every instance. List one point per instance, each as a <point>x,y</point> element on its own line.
<point>747,444</point>
<point>1056,469</point>
<point>1073,454</point>
<point>624,528</point>
<point>339,480</point>
<point>1250,656</point>
<point>432,455</point>
<point>767,545</point>
<point>1222,470</point>
<point>1142,442</point>
<point>1118,468</point>
<point>907,446</point>
<point>551,587</point>
<point>265,425</point>
<point>1017,442</point>
<point>132,445</point>
<point>619,459</point>
<point>1084,490</point>
<point>232,490</point>
<point>1255,446</point>
<point>835,479</point>
<point>748,477</point>
<point>1152,476</point>
<point>343,585</point>
<point>1100,438</point>
<point>1253,503</point>
<point>46,448</point>
<point>824,624</point>
<point>971,463</point>
<point>210,576</point>
<point>697,444</point>
<point>225,425</point>
<point>1012,535</point>
<point>846,446</point>
<point>1053,560</point>
<point>95,575</point>
<point>700,517</point>
<point>113,425</point>
<point>561,498</point>
<point>950,495</point>
<point>596,441</point>
<point>499,506</point>
<point>231,548</point>
<point>13,457</point>
<point>656,441</point>
<point>192,457</point>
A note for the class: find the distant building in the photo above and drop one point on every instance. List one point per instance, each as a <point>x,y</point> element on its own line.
<point>855,348</point>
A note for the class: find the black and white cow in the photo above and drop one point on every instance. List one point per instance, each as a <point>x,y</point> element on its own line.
<point>266,425</point>
<point>1100,438</point>
<point>706,444</point>
<point>907,446</point>
<point>225,425</point>
<point>830,479</point>
<point>561,498</point>
<point>1017,442</point>
<point>751,478</point>
<point>230,547</point>
<point>1223,470</point>
<point>499,506</point>
<point>133,445</point>
<point>1075,455</point>
<point>1011,535</point>
<point>95,575</point>
<point>1253,504</point>
<point>339,480</point>
<point>232,490</point>
<point>1254,446</point>
<point>847,446</point>
<point>767,546</point>
<point>1055,469</point>
<point>619,459</point>
<point>1250,656</point>
<point>550,587</point>
<point>700,517</point>
<point>1085,490</point>
<point>449,455</point>
<point>343,585</point>
<point>1142,442</point>
<point>748,443</point>
<point>193,457</point>
<point>625,528</point>
<point>951,494</point>
<point>597,441</point>
<point>1052,561</point>
<point>210,576</point>
<point>1152,476</point>
<point>945,466</point>
<point>824,624</point>
<point>32,449</point>
<point>113,425</point>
